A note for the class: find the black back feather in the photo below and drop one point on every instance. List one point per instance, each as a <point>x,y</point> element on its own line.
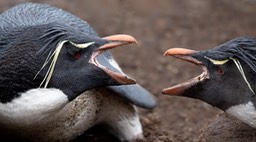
<point>58,24</point>
<point>31,14</point>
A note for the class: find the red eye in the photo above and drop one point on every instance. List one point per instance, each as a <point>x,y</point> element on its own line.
<point>220,71</point>
<point>76,55</point>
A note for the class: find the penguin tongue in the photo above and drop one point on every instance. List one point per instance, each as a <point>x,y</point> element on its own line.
<point>105,61</point>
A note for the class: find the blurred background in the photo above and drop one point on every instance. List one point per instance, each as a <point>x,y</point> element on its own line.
<point>158,26</point>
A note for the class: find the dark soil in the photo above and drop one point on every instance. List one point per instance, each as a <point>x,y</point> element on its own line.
<point>160,25</point>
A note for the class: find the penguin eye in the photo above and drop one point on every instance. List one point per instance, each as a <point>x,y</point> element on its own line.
<point>220,71</point>
<point>76,55</point>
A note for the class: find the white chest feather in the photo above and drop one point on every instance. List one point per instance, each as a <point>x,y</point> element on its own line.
<point>46,115</point>
<point>32,106</point>
<point>244,112</point>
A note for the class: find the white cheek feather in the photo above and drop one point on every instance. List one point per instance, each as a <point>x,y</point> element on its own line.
<point>32,106</point>
<point>244,112</point>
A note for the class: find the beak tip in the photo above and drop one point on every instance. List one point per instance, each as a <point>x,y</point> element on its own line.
<point>170,52</point>
<point>130,80</point>
<point>166,53</point>
<point>135,41</point>
<point>164,92</point>
<point>125,80</point>
<point>130,39</point>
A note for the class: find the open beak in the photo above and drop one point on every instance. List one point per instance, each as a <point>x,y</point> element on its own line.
<point>186,55</point>
<point>113,42</point>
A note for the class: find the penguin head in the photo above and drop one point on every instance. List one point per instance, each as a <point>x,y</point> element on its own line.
<point>228,73</point>
<point>84,66</point>
<point>58,57</point>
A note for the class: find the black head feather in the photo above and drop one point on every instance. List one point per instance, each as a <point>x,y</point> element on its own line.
<point>242,48</point>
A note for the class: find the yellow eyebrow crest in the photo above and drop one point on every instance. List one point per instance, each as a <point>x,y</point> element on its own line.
<point>83,45</point>
<point>217,62</point>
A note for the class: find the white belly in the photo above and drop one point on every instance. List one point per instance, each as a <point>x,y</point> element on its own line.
<point>32,106</point>
<point>244,112</point>
<point>36,117</point>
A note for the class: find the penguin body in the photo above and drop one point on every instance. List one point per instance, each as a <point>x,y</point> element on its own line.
<point>70,120</point>
<point>56,78</point>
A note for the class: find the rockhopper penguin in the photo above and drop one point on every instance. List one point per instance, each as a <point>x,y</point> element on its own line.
<point>57,79</point>
<point>228,78</point>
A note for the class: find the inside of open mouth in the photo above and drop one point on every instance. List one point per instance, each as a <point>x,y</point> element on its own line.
<point>181,87</point>
<point>103,60</point>
<point>106,60</point>
<point>201,77</point>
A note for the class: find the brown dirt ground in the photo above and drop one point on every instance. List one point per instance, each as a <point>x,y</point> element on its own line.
<point>159,25</point>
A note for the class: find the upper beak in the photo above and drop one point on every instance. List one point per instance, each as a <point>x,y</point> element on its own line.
<point>179,51</point>
<point>117,40</point>
<point>183,53</point>
<point>113,42</point>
